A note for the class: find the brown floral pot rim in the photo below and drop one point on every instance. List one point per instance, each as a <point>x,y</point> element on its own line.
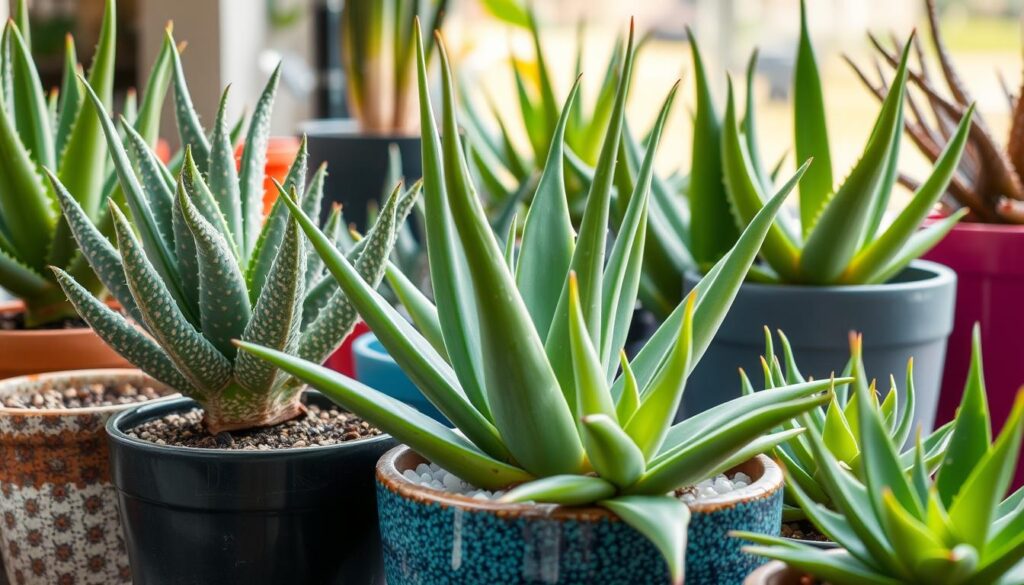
<point>142,412</point>
<point>10,384</point>
<point>779,573</point>
<point>389,474</point>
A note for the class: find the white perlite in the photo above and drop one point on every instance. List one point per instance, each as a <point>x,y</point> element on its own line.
<point>433,476</point>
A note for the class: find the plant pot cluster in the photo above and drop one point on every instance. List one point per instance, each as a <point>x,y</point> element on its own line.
<point>588,388</point>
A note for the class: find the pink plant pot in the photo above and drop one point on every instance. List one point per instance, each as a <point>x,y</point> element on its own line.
<point>989,262</point>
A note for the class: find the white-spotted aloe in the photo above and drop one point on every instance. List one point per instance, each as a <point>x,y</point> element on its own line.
<point>951,527</point>
<point>196,268</point>
<point>840,237</point>
<point>59,132</point>
<point>524,348</point>
<point>838,424</point>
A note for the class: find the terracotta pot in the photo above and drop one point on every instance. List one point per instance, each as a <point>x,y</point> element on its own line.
<point>51,350</point>
<point>59,508</point>
<point>989,262</point>
<point>281,152</point>
<point>431,536</point>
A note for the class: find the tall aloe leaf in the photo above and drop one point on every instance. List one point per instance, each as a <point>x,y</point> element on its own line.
<point>836,236</point>
<point>189,127</point>
<point>254,160</point>
<point>522,389</point>
<point>69,100</point>
<point>713,231</point>
<point>452,291</point>
<point>223,175</point>
<point>32,119</point>
<point>810,129</point>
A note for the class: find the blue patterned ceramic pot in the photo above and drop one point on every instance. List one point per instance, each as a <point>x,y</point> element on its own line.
<point>431,537</point>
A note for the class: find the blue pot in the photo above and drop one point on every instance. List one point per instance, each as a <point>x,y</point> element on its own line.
<point>375,367</point>
<point>432,537</point>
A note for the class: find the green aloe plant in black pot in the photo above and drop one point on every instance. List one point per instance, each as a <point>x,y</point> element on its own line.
<point>198,266</point>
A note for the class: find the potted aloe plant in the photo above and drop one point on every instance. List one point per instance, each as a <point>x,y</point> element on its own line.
<point>208,484</point>
<point>837,424</point>
<point>986,249</point>
<point>526,368</point>
<point>839,267</point>
<point>953,526</point>
<point>377,57</point>
<point>40,331</point>
<point>55,491</point>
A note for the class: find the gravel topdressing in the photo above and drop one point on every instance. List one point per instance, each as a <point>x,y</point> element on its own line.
<point>432,476</point>
<point>318,427</point>
<point>87,396</point>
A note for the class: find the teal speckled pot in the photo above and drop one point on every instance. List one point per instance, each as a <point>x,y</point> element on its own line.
<point>432,537</point>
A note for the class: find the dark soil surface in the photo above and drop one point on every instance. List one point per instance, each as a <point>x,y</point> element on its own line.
<point>16,322</point>
<point>802,530</point>
<point>89,396</point>
<point>318,427</point>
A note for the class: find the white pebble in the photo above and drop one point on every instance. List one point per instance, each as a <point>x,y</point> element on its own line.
<point>434,477</point>
<point>423,469</point>
<point>741,477</point>
<point>722,485</point>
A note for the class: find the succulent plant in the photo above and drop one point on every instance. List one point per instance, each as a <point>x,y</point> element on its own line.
<point>199,266</point>
<point>950,528</point>
<point>838,422</point>
<point>57,132</point>
<point>840,238</point>
<point>377,55</point>
<point>988,180</point>
<point>523,349</point>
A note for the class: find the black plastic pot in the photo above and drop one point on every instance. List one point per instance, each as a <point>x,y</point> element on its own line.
<point>357,163</point>
<point>910,316</point>
<point>217,517</point>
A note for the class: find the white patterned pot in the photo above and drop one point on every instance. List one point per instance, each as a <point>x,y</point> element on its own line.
<point>59,510</point>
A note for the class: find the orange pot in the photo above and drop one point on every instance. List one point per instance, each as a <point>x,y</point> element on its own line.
<point>281,153</point>
<point>52,350</point>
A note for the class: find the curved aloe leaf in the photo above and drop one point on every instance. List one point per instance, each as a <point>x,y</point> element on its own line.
<point>592,395</point>
<point>611,451</point>
<point>222,175</point>
<point>663,520</point>
<point>810,130</point>
<point>427,437</point>
<point>32,118</point>
<point>254,161</point>
<point>189,127</point>
<point>566,490</point>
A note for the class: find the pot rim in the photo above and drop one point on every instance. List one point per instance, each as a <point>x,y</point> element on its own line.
<point>1008,229</point>
<point>18,306</point>
<point>347,128</point>
<point>181,403</point>
<point>941,275</point>
<point>389,476</point>
<point>89,374</point>
<point>363,345</point>
<point>774,568</point>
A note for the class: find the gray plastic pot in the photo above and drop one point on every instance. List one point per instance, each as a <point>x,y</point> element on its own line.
<point>910,316</point>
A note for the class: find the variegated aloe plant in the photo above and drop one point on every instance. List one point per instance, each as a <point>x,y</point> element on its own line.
<point>951,527</point>
<point>840,237</point>
<point>199,266</point>
<point>59,132</point>
<point>838,423</point>
<point>524,348</point>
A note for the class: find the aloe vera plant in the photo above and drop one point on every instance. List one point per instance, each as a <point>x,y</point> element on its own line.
<point>840,237</point>
<point>948,528</point>
<point>377,54</point>
<point>57,132</point>
<point>988,180</point>
<point>838,424</point>
<point>199,266</point>
<point>522,351</point>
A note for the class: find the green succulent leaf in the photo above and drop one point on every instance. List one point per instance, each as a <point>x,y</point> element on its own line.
<point>31,116</point>
<point>662,519</point>
<point>69,99</point>
<point>222,176</point>
<point>254,161</point>
<point>611,451</point>
<point>565,490</point>
<point>811,130</point>
<point>189,127</point>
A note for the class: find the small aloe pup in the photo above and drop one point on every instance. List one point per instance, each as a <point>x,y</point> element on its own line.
<point>840,237</point>
<point>194,272</point>
<point>58,132</point>
<point>950,527</point>
<point>838,423</point>
<point>523,350</point>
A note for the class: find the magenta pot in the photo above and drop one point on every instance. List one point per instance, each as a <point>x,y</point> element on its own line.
<point>989,262</point>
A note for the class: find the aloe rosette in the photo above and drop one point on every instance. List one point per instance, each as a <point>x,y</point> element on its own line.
<point>58,131</point>
<point>954,526</point>
<point>523,349</point>
<point>840,237</point>
<point>838,423</point>
<point>199,266</point>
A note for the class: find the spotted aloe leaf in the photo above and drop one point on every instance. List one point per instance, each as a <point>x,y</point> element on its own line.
<point>254,160</point>
<point>193,354</point>
<point>189,128</point>
<point>222,174</point>
<point>224,308</point>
